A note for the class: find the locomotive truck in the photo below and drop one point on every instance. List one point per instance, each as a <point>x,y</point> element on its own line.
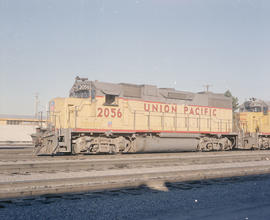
<point>100,117</point>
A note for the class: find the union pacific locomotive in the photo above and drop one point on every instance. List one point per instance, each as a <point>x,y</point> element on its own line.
<point>100,117</point>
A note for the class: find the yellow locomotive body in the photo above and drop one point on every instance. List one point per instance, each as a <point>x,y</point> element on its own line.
<point>254,123</point>
<point>111,118</point>
<point>129,115</point>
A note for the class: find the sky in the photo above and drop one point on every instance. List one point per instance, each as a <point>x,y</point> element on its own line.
<point>185,44</point>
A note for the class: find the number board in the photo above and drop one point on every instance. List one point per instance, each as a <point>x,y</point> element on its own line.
<point>109,112</point>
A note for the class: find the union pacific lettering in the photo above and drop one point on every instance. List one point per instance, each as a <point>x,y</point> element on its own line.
<point>190,110</point>
<point>193,110</point>
<point>163,108</point>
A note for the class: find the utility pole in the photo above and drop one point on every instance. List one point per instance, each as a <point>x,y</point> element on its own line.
<point>36,105</point>
<point>207,86</point>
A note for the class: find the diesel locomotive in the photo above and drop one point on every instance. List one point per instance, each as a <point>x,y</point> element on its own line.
<point>100,117</point>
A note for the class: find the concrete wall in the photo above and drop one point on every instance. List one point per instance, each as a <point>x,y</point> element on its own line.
<point>16,133</point>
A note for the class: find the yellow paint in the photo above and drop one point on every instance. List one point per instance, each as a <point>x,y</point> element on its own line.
<point>255,121</point>
<point>83,114</point>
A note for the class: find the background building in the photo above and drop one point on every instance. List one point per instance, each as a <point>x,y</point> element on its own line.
<point>17,129</point>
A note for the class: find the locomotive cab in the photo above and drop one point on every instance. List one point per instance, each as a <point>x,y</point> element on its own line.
<point>254,116</point>
<point>254,122</point>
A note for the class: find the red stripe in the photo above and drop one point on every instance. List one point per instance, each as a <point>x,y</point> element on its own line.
<point>137,100</point>
<point>146,131</point>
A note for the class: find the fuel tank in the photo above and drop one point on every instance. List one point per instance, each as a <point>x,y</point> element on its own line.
<point>166,143</point>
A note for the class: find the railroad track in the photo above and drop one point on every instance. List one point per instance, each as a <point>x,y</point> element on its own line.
<point>62,182</point>
<point>15,154</point>
<point>44,166</point>
<point>31,175</point>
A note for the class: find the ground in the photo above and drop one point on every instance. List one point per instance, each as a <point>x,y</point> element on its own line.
<point>231,198</point>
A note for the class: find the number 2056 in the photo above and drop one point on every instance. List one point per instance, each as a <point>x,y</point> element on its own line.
<point>109,112</point>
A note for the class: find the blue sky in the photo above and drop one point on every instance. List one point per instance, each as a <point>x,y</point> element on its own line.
<point>169,43</point>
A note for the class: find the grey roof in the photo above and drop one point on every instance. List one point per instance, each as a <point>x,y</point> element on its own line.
<point>83,88</point>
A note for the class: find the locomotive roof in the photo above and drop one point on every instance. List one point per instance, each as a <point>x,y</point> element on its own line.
<point>83,88</point>
<point>253,102</point>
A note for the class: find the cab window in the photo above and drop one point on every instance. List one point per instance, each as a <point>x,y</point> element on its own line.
<point>265,110</point>
<point>110,100</point>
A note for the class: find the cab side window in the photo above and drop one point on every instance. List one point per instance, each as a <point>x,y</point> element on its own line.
<point>265,110</point>
<point>110,100</point>
<point>93,94</point>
